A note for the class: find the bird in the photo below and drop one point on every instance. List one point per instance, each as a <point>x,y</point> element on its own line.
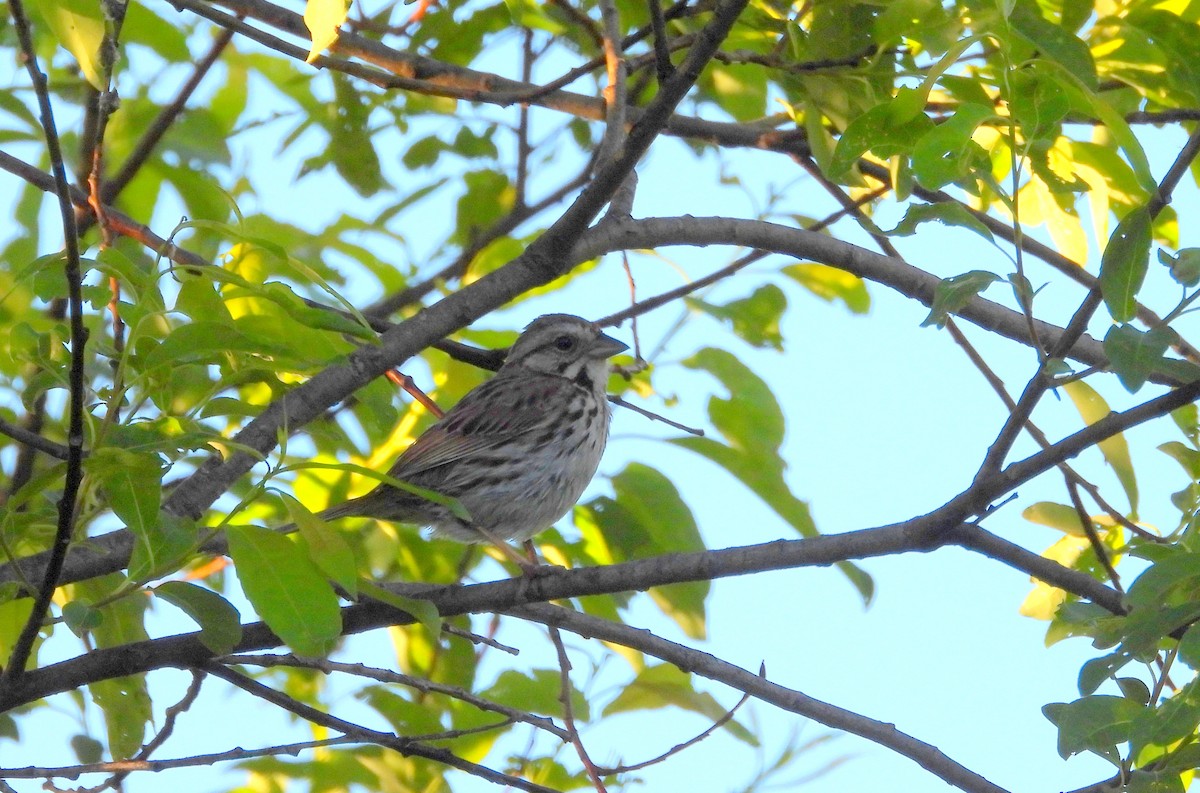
<point>517,451</point>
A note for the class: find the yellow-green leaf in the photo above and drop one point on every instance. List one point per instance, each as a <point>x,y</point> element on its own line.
<point>1092,408</point>
<point>326,547</point>
<point>79,27</point>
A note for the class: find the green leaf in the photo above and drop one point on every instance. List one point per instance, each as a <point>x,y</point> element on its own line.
<point>81,617</point>
<point>947,152</point>
<point>1187,457</point>
<point>1134,354</point>
<point>1170,722</point>
<point>13,616</point>
<point>207,342</point>
<point>1166,582</point>
<point>886,129</point>
<point>125,701</point>
<point>1097,671</point>
<point>1124,264</point>
<point>351,146</point>
<point>405,716</point>
<point>132,482</point>
<point>163,547</point>
<point>1054,42</point>
<point>649,518</point>
<point>752,425</point>
<point>529,14</point>
<point>830,284</point>
<point>326,547</point>
<point>950,213</point>
<point>1184,266</point>
<point>87,748</point>
<point>956,293</point>
<point>1092,408</point>
<point>79,27</point>
<point>739,89</point>
<point>755,319</point>
<point>1096,723</point>
<point>656,687</point>
<point>539,691</point>
<point>286,588</point>
<point>220,624</point>
<point>1189,647</point>
<point>422,610</point>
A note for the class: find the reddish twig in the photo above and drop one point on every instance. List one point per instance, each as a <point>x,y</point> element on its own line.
<point>406,383</point>
<point>564,666</point>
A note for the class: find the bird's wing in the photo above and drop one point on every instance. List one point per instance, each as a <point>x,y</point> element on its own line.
<point>486,419</point>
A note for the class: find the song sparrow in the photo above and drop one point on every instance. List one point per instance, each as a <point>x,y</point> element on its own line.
<point>518,450</point>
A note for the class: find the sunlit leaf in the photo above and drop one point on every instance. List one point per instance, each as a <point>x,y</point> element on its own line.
<point>830,284</point>
<point>323,18</point>
<point>79,27</point>
<point>326,547</point>
<point>1056,516</point>
<point>1092,408</point>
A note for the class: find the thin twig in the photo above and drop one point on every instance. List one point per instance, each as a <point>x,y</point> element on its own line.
<point>33,440</point>
<point>165,119</point>
<point>662,56</point>
<point>397,678</point>
<point>616,400</point>
<point>564,696</point>
<point>204,760</point>
<point>521,183</point>
<point>674,750</point>
<point>172,714</point>
<point>1041,381</point>
<point>74,473</point>
<point>404,746</point>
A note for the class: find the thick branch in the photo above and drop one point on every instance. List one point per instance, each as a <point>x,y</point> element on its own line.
<point>918,535</point>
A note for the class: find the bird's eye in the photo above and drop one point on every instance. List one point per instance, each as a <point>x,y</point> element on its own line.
<point>564,343</point>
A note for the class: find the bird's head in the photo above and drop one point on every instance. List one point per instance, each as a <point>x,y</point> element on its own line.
<point>565,346</point>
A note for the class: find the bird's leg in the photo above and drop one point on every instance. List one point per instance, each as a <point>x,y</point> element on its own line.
<point>529,566</point>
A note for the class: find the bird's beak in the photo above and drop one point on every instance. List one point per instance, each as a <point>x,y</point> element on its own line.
<point>606,346</point>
